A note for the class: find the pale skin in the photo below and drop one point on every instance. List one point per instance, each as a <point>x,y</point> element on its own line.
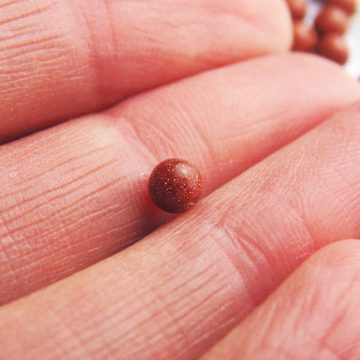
<point>261,268</point>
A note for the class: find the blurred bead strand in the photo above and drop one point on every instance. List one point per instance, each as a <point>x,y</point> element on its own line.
<point>326,36</point>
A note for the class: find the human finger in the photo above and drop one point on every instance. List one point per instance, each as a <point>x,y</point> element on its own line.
<point>313,315</point>
<point>61,59</point>
<point>180,290</point>
<point>85,197</point>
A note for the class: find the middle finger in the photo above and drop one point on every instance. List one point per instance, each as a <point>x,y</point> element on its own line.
<point>84,198</point>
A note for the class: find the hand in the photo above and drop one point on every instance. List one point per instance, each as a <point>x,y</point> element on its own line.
<point>73,197</point>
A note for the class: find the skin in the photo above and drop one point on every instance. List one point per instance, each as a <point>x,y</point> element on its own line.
<point>89,269</point>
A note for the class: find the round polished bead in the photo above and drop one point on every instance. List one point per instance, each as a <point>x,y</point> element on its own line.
<point>175,185</point>
<point>297,8</point>
<point>334,47</point>
<point>305,37</point>
<point>332,19</point>
<point>347,5</point>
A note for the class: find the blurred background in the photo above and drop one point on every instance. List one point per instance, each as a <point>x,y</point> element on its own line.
<point>353,39</point>
<point>330,28</point>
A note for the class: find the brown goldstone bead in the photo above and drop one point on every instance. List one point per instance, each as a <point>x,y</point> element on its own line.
<point>305,37</point>
<point>334,47</point>
<point>332,19</point>
<point>297,8</point>
<point>347,5</point>
<point>175,185</point>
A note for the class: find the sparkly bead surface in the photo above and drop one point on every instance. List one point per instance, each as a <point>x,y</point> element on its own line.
<point>175,185</point>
